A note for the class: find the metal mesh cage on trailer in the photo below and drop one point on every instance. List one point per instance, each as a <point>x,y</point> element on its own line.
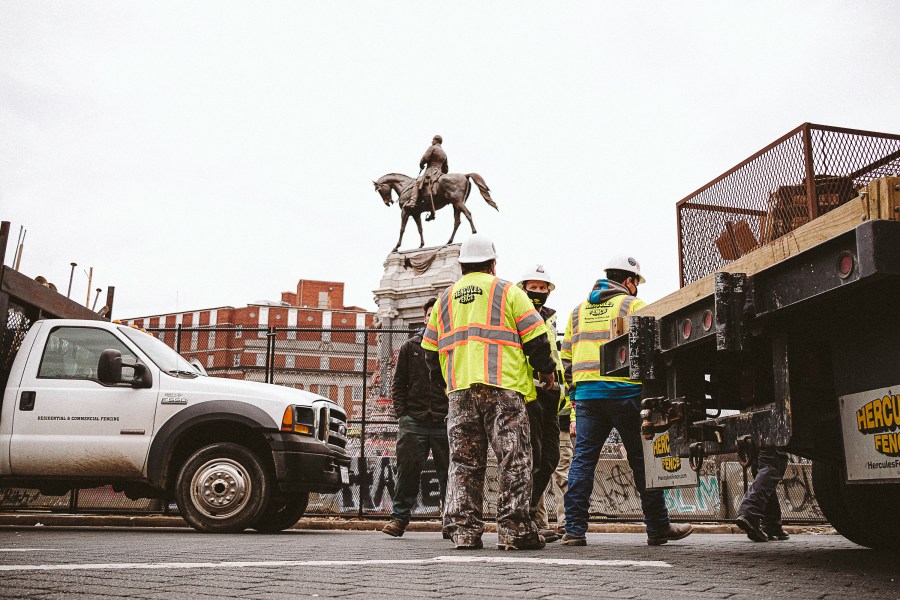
<point>802,175</point>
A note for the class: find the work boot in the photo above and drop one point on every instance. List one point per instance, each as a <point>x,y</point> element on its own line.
<point>549,535</point>
<point>394,528</point>
<point>560,531</point>
<point>675,531</point>
<point>571,540</point>
<point>468,544</point>
<point>776,533</point>
<point>751,527</point>
<point>529,542</point>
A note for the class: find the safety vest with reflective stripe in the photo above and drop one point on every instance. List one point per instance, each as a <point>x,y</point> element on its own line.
<point>478,326</point>
<point>551,337</point>
<point>588,329</point>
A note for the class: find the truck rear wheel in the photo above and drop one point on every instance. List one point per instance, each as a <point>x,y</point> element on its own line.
<point>222,488</point>
<point>282,514</point>
<point>864,513</point>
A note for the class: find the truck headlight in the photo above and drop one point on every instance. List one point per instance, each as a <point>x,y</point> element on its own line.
<point>298,419</point>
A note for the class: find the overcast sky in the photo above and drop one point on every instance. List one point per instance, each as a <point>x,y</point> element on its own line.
<point>201,154</point>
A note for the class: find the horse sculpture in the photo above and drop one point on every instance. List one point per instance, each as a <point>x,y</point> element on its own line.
<point>450,190</point>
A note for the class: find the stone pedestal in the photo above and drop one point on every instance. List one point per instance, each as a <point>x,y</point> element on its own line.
<point>410,278</point>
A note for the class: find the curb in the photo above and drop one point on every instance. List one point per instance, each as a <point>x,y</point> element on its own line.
<point>341,524</point>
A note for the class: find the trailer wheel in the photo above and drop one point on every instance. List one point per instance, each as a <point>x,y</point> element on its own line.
<point>282,514</point>
<point>222,488</point>
<point>864,513</point>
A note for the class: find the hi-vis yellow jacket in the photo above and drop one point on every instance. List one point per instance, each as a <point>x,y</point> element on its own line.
<point>478,326</point>
<point>551,337</point>
<point>588,329</point>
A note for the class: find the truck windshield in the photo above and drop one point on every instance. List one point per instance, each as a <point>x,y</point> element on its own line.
<point>164,357</point>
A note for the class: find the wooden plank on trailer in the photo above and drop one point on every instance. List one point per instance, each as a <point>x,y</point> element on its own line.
<point>840,220</point>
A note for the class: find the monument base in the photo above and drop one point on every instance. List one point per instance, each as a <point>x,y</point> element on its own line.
<point>410,278</point>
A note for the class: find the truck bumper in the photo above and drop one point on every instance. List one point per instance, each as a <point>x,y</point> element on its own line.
<point>306,465</point>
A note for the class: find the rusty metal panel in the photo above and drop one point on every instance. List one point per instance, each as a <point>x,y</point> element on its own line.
<point>50,303</point>
<point>808,172</point>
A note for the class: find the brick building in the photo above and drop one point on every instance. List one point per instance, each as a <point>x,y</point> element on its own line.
<point>235,342</point>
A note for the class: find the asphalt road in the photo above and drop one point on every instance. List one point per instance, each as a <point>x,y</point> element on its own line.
<point>178,563</point>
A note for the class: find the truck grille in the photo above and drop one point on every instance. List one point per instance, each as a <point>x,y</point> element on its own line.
<point>331,425</point>
<point>337,429</point>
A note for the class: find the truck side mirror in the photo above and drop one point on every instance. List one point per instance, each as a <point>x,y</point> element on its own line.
<point>142,376</point>
<point>109,368</point>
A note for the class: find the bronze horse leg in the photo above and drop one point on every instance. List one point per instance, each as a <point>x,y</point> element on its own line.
<point>404,216</point>
<point>417,217</point>
<point>456,221</point>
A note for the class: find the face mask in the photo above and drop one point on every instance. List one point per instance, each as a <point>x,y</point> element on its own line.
<point>538,298</point>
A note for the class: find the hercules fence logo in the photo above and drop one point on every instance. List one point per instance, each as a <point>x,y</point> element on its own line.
<point>661,451</point>
<point>881,419</point>
<point>467,294</point>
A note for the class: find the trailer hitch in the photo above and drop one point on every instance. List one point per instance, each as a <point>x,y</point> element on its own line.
<point>696,455</point>
<point>747,451</point>
<point>658,414</point>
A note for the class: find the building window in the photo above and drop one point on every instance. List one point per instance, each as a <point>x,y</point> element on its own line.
<point>239,333</point>
<point>260,360</point>
<point>237,360</point>
<point>289,361</point>
<point>323,363</point>
<point>357,364</point>
<point>162,336</point>
<point>209,361</point>
<point>195,337</point>
<point>212,340</point>
<point>360,337</point>
<point>292,335</point>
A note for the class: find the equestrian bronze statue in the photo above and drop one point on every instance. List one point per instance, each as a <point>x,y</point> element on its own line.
<point>431,191</point>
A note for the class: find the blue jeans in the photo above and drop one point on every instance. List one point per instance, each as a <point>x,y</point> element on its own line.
<point>596,419</point>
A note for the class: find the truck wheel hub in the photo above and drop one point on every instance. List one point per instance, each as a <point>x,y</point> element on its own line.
<point>220,488</point>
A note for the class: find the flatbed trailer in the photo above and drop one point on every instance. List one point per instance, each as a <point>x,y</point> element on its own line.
<point>793,342</point>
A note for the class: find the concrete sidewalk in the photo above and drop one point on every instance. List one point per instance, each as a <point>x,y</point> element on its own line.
<point>39,519</point>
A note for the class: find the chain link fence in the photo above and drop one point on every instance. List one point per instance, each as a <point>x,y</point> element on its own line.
<point>804,174</point>
<point>354,368</point>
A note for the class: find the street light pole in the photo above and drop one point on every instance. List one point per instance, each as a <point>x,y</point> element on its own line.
<point>71,275</point>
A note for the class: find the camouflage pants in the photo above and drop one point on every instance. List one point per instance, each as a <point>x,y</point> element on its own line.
<point>479,416</point>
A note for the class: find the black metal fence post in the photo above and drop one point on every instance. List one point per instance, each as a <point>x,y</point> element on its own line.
<point>363,463</point>
<point>270,355</point>
<point>178,338</point>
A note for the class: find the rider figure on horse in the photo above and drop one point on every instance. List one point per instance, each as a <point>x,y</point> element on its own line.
<point>434,161</point>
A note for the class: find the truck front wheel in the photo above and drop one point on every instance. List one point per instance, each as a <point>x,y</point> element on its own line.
<point>222,488</point>
<point>282,514</point>
<point>864,513</point>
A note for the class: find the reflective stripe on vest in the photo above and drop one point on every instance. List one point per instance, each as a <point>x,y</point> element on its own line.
<point>475,343</point>
<point>591,325</point>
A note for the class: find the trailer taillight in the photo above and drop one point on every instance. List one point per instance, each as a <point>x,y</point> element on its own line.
<point>707,320</point>
<point>686,328</point>
<point>622,356</point>
<point>845,265</point>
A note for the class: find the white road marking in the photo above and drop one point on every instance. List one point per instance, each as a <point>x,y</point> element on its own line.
<point>29,550</point>
<point>571,562</point>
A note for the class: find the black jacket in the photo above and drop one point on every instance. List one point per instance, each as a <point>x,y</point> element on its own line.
<point>413,392</point>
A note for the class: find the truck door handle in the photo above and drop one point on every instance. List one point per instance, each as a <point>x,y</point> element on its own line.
<point>26,402</point>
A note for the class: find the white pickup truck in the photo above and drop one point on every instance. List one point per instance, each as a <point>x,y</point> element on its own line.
<point>90,403</point>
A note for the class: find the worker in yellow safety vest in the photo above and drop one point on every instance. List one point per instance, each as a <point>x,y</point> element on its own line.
<point>543,409</point>
<point>476,342</point>
<point>602,403</point>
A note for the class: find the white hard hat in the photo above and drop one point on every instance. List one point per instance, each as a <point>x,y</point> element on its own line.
<point>626,263</point>
<point>537,274</point>
<point>476,249</point>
